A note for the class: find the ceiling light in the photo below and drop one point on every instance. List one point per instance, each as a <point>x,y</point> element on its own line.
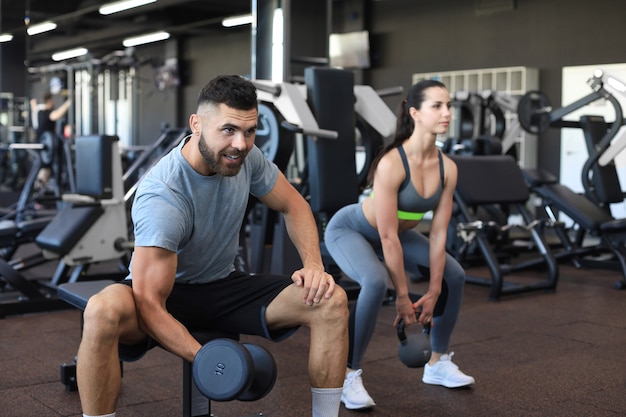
<point>119,6</point>
<point>139,40</point>
<point>245,19</point>
<point>70,53</point>
<point>5,37</point>
<point>41,28</point>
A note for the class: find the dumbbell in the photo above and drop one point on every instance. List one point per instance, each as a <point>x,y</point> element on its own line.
<point>226,370</point>
<point>414,350</point>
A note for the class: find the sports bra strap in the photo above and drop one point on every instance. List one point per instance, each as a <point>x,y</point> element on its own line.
<point>405,162</point>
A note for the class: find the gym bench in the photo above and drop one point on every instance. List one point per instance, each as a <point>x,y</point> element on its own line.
<point>498,180</point>
<point>591,219</point>
<point>195,404</point>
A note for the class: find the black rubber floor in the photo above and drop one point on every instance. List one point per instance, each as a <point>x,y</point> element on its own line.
<point>534,354</point>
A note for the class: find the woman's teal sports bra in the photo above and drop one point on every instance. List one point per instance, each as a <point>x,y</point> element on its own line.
<point>411,205</point>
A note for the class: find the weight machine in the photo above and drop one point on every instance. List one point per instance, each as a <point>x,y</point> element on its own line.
<point>103,93</point>
<point>479,127</point>
<point>91,227</point>
<point>316,146</point>
<point>536,115</point>
<point>590,212</point>
<point>488,180</point>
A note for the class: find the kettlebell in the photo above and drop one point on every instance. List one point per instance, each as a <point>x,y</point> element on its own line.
<point>414,350</point>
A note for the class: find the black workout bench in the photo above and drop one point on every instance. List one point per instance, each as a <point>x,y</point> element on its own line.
<point>194,403</point>
<point>498,180</point>
<point>591,219</point>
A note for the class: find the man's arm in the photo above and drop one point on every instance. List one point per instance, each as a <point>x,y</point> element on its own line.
<point>303,232</point>
<point>154,271</point>
<point>60,111</point>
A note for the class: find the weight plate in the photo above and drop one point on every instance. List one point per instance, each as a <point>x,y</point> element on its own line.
<point>47,153</point>
<point>267,132</point>
<point>533,112</point>
<point>465,126</point>
<point>223,369</point>
<point>274,141</point>
<point>496,125</point>
<point>368,143</point>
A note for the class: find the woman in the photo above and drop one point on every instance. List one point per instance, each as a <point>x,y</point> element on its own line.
<point>410,177</point>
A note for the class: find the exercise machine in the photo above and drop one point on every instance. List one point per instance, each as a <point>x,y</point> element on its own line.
<point>590,220</point>
<point>324,166</point>
<point>92,226</point>
<point>498,180</point>
<point>480,125</point>
<point>167,140</point>
<point>536,115</point>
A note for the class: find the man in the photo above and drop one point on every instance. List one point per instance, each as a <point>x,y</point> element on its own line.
<point>47,116</point>
<point>187,214</point>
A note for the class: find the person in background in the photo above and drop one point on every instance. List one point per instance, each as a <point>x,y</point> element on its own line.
<point>47,116</point>
<point>376,241</point>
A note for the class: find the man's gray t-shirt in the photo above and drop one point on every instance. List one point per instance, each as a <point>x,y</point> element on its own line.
<point>198,216</point>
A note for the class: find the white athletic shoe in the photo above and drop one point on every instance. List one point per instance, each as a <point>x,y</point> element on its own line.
<point>446,373</point>
<point>354,396</point>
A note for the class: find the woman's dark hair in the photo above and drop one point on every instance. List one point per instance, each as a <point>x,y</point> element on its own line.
<point>231,90</point>
<point>404,122</point>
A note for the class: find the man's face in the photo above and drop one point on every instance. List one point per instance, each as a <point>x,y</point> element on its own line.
<point>226,137</point>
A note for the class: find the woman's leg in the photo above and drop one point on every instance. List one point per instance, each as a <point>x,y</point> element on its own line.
<point>440,370</point>
<point>358,260</point>
<point>355,255</point>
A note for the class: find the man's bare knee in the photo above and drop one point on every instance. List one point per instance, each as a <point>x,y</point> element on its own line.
<point>110,313</point>
<point>335,308</point>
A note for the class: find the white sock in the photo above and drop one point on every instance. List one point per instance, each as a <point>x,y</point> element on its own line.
<point>105,415</point>
<point>326,401</point>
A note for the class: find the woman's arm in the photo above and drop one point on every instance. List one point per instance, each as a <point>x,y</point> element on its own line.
<point>389,176</point>
<point>437,238</point>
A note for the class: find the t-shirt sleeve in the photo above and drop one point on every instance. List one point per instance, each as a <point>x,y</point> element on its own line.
<point>160,219</point>
<point>264,173</point>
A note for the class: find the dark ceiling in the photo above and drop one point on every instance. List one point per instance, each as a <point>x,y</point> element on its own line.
<point>80,24</point>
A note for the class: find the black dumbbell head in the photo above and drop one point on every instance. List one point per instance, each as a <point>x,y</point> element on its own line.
<point>264,373</point>
<point>223,369</point>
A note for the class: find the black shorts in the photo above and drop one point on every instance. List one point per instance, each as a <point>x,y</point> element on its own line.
<point>232,305</point>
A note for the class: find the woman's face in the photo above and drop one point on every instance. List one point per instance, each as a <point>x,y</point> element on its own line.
<point>434,115</point>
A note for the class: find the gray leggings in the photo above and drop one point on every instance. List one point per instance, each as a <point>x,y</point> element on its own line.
<point>355,246</point>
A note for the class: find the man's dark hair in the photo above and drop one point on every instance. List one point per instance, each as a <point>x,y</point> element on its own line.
<point>231,90</point>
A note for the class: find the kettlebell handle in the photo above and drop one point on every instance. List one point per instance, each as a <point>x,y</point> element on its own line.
<point>401,329</point>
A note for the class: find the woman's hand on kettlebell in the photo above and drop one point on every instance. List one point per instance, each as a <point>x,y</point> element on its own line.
<point>424,308</point>
<point>405,311</point>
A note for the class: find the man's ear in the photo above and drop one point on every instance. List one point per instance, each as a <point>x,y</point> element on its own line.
<point>195,124</point>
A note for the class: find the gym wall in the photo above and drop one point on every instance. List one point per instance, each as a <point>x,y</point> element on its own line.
<point>415,36</point>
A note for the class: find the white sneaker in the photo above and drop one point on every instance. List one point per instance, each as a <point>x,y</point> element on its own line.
<point>354,396</point>
<point>446,373</point>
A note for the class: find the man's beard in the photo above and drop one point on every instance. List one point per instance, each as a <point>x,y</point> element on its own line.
<point>215,162</point>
